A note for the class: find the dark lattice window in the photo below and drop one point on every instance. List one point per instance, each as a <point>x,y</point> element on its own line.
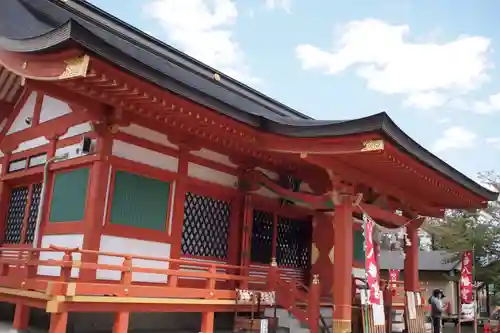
<point>262,237</point>
<point>206,226</point>
<point>36,190</point>
<point>294,242</point>
<point>15,215</point>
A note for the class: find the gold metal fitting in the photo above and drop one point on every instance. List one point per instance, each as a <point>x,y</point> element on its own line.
<point>274,263</point>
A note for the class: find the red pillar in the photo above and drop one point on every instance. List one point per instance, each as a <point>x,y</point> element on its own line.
<point>207,322</point>
<point>21,317</point>
<point>121,322</point>
<point>94,214</point>
<point>342,266</point>
<point>58,322</point>
<point>411,258</point>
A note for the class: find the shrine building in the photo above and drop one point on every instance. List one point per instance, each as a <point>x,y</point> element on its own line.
<point>135,179</point>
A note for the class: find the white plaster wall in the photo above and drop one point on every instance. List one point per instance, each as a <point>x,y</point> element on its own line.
<point>27,110</point>
<point>133,247</point>
<point>69,241</point>
<point>53,108</point>
<point>3,123</point>
<point>305,187</point>
<point>265,192</point>
<point>214,156</point>
<point>358,272</point>
<point>37,160</point>
<point>145,156</point>
<point>30,144</point>
<point>17,165</point>
<point>147,134</point>
<point>194,268</point>
<point>271,174</point>
<point>77,130</point>
<point>213,176</point>
<point>73,151</point>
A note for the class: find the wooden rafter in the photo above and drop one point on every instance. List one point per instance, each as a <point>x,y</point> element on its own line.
<point>357,176</point>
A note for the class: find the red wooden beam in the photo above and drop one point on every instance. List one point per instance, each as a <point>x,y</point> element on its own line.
<point>351,145</point>
<point>320,201</point>
<point>356,176</point>
<point>378,213</point>
<point>55,66</point>
<point>457,190</point>
<point>95,110</point>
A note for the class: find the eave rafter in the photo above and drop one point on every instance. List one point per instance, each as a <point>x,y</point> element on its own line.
<point>356,176</point>
<point>254,179</point>
<point>324,147</point>
<point>444,185</point>
<point>50,67</point>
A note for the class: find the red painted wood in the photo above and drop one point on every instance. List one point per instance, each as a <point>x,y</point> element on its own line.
<point>343,259</point>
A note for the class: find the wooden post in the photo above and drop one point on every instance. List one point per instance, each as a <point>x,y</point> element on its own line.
<point>58,322</point>
<point>207,322</point>
<point>313,305</point>
<point>178,212</point>
<point>342,267</point>
<point>388,293</point>
<point>272,278</point>
<point>21,317</point>
<point>411,259</point>
<point>66,266</point>
<point>246,239</point>
<point>94,214</point>
<point>121,322</point>
<point>122,318</point>
<point>211,282</point>
<point>4,198</point>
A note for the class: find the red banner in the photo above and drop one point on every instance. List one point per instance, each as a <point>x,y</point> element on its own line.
<point>371,265</point>
<point>393,277</point>
<point>466,278</point>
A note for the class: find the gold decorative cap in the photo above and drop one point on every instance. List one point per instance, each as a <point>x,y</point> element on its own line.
<point>273,262</point>
<point>315,279</point>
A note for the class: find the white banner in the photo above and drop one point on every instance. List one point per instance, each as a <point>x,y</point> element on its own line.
<point>467,312</point>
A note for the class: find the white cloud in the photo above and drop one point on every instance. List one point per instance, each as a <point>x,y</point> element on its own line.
<point>494,141</point>
<point>492,104</point>
<point>455,137</point>
<point>444,120</point>
<point>426,100</point>
<point>279,4</point>
<point>203,29</point>
<point>381,54</point>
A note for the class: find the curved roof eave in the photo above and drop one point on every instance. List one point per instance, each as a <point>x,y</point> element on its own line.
<point>215,96</point>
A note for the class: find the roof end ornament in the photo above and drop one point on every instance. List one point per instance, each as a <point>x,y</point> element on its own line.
<point>372,145</point>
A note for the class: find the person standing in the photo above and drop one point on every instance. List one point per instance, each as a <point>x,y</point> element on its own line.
<point>436,309</point>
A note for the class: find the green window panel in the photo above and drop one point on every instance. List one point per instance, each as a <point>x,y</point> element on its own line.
<point>69,196</point>
<point>139,201</point>
<point>358,246</point>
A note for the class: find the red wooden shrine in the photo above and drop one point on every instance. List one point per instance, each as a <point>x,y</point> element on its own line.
<point>169,185</point>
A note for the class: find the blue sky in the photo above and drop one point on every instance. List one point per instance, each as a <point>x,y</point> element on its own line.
<point>430,64</point>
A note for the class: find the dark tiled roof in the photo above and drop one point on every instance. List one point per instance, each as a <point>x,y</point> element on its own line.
<point>54,24</point>
<point>427,260</point>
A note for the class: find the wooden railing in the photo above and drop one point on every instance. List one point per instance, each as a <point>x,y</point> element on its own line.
<point>23,268</point>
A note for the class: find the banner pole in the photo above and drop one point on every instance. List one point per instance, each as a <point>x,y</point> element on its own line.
<point>475,300</point>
